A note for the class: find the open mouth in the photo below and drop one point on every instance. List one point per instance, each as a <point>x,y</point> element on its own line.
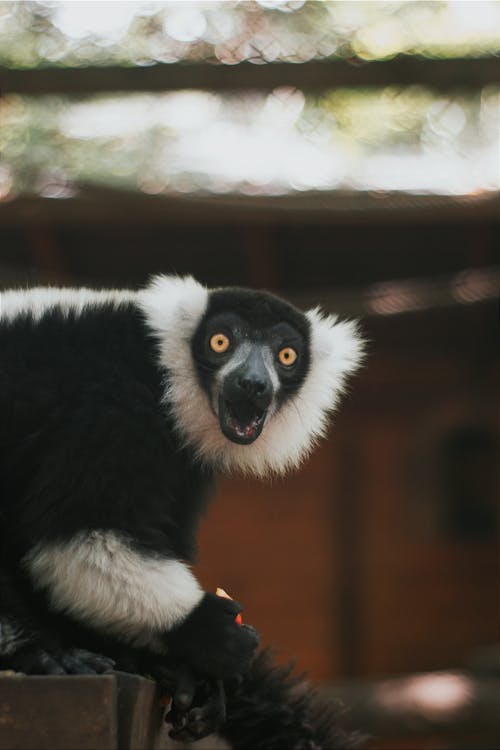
<point>241,421</point>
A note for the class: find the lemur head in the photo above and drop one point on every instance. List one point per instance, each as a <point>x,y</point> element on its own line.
<point>251,379</point>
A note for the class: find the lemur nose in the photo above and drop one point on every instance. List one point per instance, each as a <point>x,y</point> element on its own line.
<point>250,381</point>
<point>252,386</point>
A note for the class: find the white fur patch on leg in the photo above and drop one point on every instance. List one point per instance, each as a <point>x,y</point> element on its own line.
<point>103,582</point>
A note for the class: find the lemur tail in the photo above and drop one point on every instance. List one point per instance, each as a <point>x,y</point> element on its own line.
<point>272,710</point>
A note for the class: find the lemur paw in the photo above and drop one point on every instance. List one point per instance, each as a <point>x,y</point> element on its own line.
<point>212,642</point>
<point>36,660</point>
<point>81,661</point>
<point>199,714</point>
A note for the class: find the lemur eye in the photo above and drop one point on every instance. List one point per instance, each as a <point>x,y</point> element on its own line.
<point>219,343</point>
<point>287,356</point>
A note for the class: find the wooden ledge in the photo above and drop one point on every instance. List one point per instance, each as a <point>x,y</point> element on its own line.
<point>102,712</point>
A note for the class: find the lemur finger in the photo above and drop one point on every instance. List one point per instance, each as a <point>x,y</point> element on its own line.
<point>218,702</point>
<point>97,662</point>
<point>180,733</point>
<point>185,689</point>
<point>44,663</point>
<point>189,734</point>
<point>73,665</point>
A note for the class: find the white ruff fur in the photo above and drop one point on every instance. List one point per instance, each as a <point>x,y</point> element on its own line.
<point>101,580</point>
<point>173,308</point>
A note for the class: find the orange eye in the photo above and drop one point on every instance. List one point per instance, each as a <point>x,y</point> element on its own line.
<point>219,343</point>
<point>287,356</point>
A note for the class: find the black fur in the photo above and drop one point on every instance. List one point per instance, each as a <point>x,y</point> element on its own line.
<point>85,442</point>
<point>269,709</point>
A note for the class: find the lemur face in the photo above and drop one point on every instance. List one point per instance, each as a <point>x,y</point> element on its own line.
<point>252,354</point>
<point>250,381</point>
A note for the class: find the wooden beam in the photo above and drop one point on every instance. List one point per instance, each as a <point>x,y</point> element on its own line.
<point>102,206</point>
<point>442,74</point>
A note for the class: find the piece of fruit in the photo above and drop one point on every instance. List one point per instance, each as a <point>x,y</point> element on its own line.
<point>220,592</point>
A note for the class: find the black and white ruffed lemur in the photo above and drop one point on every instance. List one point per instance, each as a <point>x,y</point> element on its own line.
<point>116,409</point>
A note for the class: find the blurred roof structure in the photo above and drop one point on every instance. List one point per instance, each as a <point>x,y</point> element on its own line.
<point>252,98</point>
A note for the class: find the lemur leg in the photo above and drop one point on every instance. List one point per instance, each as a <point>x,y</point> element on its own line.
<point>122,591</point>
<point>31,643</point>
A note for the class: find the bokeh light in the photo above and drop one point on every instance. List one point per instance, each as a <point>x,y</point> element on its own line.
<point>75,33</point>
<point>258,143</point>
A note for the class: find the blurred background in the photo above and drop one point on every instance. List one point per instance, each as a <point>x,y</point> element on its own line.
<point>341,153</point>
